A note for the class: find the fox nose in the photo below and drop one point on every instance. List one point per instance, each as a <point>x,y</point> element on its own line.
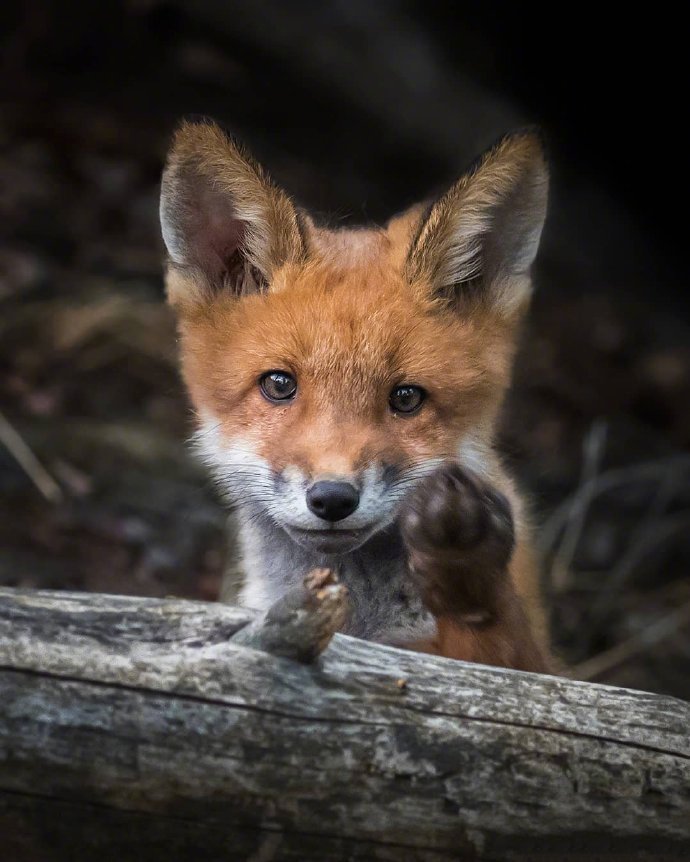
<point>332,501</point>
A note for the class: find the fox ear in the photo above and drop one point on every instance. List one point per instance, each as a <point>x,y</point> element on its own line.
<point>225,224</point>
<point>480,238</point>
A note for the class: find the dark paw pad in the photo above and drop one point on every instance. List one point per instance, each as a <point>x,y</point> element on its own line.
<point>459,534</point>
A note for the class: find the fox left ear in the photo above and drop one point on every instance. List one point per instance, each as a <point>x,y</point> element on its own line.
<point>480,238</point>
<point>226,225</point>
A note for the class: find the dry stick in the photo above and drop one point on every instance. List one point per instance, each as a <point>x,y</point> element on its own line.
<point>639,548</point>
<point>594,447</point>
<point>602,484</point>
<point>659,631</point>
<point>26,459</point>
<point>653,531</point>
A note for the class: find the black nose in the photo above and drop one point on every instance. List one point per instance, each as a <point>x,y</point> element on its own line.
<point>332,501</point>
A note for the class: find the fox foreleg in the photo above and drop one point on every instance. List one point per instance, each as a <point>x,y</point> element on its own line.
<point>460,538</point>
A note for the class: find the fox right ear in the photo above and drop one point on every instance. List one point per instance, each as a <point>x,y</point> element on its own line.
<point>478,240</point>
<point>225,224</point>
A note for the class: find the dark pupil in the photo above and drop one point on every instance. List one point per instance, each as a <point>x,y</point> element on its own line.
<point>406,398</point>
<point>281,385</point>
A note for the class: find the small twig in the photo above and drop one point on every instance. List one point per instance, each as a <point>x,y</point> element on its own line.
<point>601,484</point>
<point>639,549</point>
<point>593,451</point>
<point>657,632</point>
<point>26,459</point>
<point>648,538</point>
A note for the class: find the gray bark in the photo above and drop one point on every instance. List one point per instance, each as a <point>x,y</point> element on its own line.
<point>142,729</point>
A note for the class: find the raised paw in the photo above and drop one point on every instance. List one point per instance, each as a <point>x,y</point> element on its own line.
<point>458,531</point>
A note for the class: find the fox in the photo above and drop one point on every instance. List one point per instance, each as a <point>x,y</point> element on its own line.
<point>346,384</point>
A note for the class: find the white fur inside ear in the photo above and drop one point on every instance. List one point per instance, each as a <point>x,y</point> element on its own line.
<point>481,237</point>
<point>499,241</point>
<point>463,258</point>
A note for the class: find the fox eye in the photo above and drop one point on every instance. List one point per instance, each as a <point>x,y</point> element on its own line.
<point>406,399</point>
<point>278,385</point>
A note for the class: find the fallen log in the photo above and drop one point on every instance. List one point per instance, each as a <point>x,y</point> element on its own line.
<point>142,729</point>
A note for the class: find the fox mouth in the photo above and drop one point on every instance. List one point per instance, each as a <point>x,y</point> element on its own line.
<point>330,540</point>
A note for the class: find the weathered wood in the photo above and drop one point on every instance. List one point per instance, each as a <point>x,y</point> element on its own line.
<point>140,729</point>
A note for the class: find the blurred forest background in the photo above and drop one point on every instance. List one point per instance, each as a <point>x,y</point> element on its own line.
<point>358,108</point>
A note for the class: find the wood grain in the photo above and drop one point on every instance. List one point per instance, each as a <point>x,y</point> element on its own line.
<point>136,728</point>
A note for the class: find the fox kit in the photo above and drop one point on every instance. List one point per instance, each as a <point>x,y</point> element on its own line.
<point>346,385</point>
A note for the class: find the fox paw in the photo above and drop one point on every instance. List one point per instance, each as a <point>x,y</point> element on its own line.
<point>458,531</point>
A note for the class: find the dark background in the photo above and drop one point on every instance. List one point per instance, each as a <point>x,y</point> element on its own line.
<point>358,108</point>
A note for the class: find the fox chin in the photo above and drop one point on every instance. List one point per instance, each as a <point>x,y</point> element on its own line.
<point>346,385</point>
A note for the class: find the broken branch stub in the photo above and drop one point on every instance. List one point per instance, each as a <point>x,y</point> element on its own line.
<point>301,624</point>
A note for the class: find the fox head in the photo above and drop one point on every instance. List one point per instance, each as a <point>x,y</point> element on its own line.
<point>332,369</point>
